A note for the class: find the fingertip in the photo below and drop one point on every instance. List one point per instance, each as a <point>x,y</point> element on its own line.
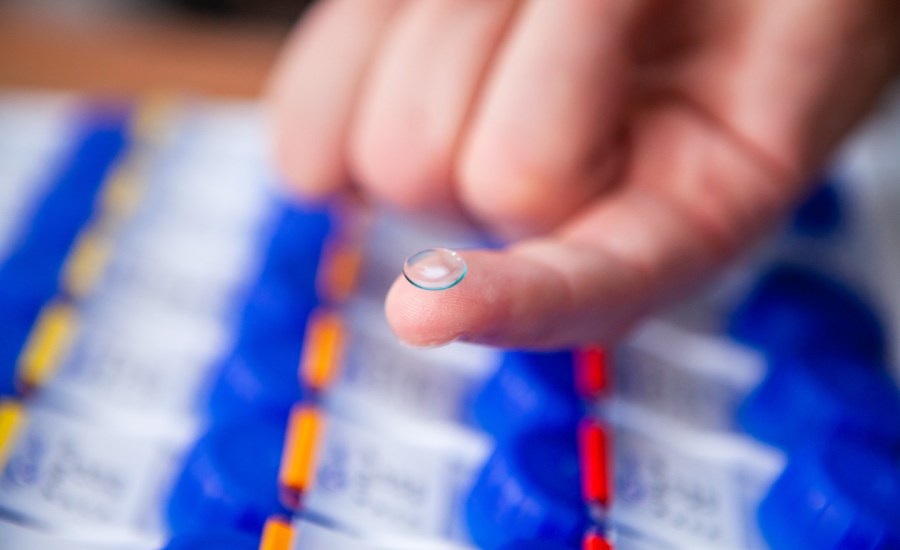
<point>413,316</point>
<point>503,300</point>
<point>427,318</point>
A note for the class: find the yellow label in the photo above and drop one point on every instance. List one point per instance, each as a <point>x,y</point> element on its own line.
<point>47,344</point>
<point>122,193</point>
<point>86,263</point>
<point>123,190</point>
<point>12,422</point>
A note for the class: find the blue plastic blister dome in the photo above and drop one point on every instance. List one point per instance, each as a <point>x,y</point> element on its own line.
<point>528,390</point>
<point>274,312</point>
<point>17,323</point>
<point>260,375</point>
<point>529,489</point>
<point>835,496</point>
<point>797,310</point>
<point>260,382</point>
<point>295,248</point>
<point>806,396</point>
<point>29,276</point>
<point>229,480</point>
<point>821,214</point>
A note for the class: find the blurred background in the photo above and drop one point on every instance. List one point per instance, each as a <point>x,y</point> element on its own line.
<point>222,47</point>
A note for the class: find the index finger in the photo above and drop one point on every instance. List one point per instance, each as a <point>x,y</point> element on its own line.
<point>692,198</point>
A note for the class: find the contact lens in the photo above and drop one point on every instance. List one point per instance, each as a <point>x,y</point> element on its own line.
<point>435,269</point>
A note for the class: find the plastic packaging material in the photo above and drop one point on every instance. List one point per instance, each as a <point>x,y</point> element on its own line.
<point>684,489</point>
<point>803,349</point>
<point>529,489</point>
<point>133,361</point>
<point>229,479</point>
<point>379,485</point>
<point>274,311</point>
<point>80,479</point>
<point>296,246</point>
<point>806,396</point>
<point>213,541</point>
<point>8,369</point>
<point>833,495</point>
<point>29,277</point>
<point>35,138</point>
<point>669,488</point>
<point>260,381</point>
<point>150,330</point>
<point>821,214</point>
<point>306,533</point>
<point>539,545</point>
<point>694,378</point>
<point>352,361</point>
<point>259,375</point>
<point>526,391</point>
<point>16,536</point>
<point>102,138</point>
<point>798,310</point>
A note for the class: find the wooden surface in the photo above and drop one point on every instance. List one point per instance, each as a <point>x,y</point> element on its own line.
<point>128,55</point>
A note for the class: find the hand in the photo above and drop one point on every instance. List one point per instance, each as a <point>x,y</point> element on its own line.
<point>633,145</point>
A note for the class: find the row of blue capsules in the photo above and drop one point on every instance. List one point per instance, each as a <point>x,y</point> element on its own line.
<point>54,159</point>
<point>386,450</point>
<point>365,382</point>
<point>119,301</point>
<point>756,416</point>
<point>462,454</point>
<point>109,412</point>
<point>392,448</point>
<point>693,418</point>
<point>69,179</point>
<point>345,271</point>
<point>805,370</point>
<point>691,421</point>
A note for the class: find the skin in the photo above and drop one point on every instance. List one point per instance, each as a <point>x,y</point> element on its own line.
<point>628,147</point>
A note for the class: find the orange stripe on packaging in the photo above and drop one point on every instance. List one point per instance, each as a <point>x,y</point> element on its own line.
<point>298,459</point>
<point>278,534</point>
<point>339,270</point>
<point>323,349</point>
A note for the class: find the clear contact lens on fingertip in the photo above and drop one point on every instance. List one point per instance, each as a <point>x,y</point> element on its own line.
<point>435,269</point>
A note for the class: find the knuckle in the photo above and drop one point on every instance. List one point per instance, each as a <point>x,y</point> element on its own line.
<point>399,166</point>
<point>497,184</point>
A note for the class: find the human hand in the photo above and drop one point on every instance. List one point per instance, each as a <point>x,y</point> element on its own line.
<point>633,145</point>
